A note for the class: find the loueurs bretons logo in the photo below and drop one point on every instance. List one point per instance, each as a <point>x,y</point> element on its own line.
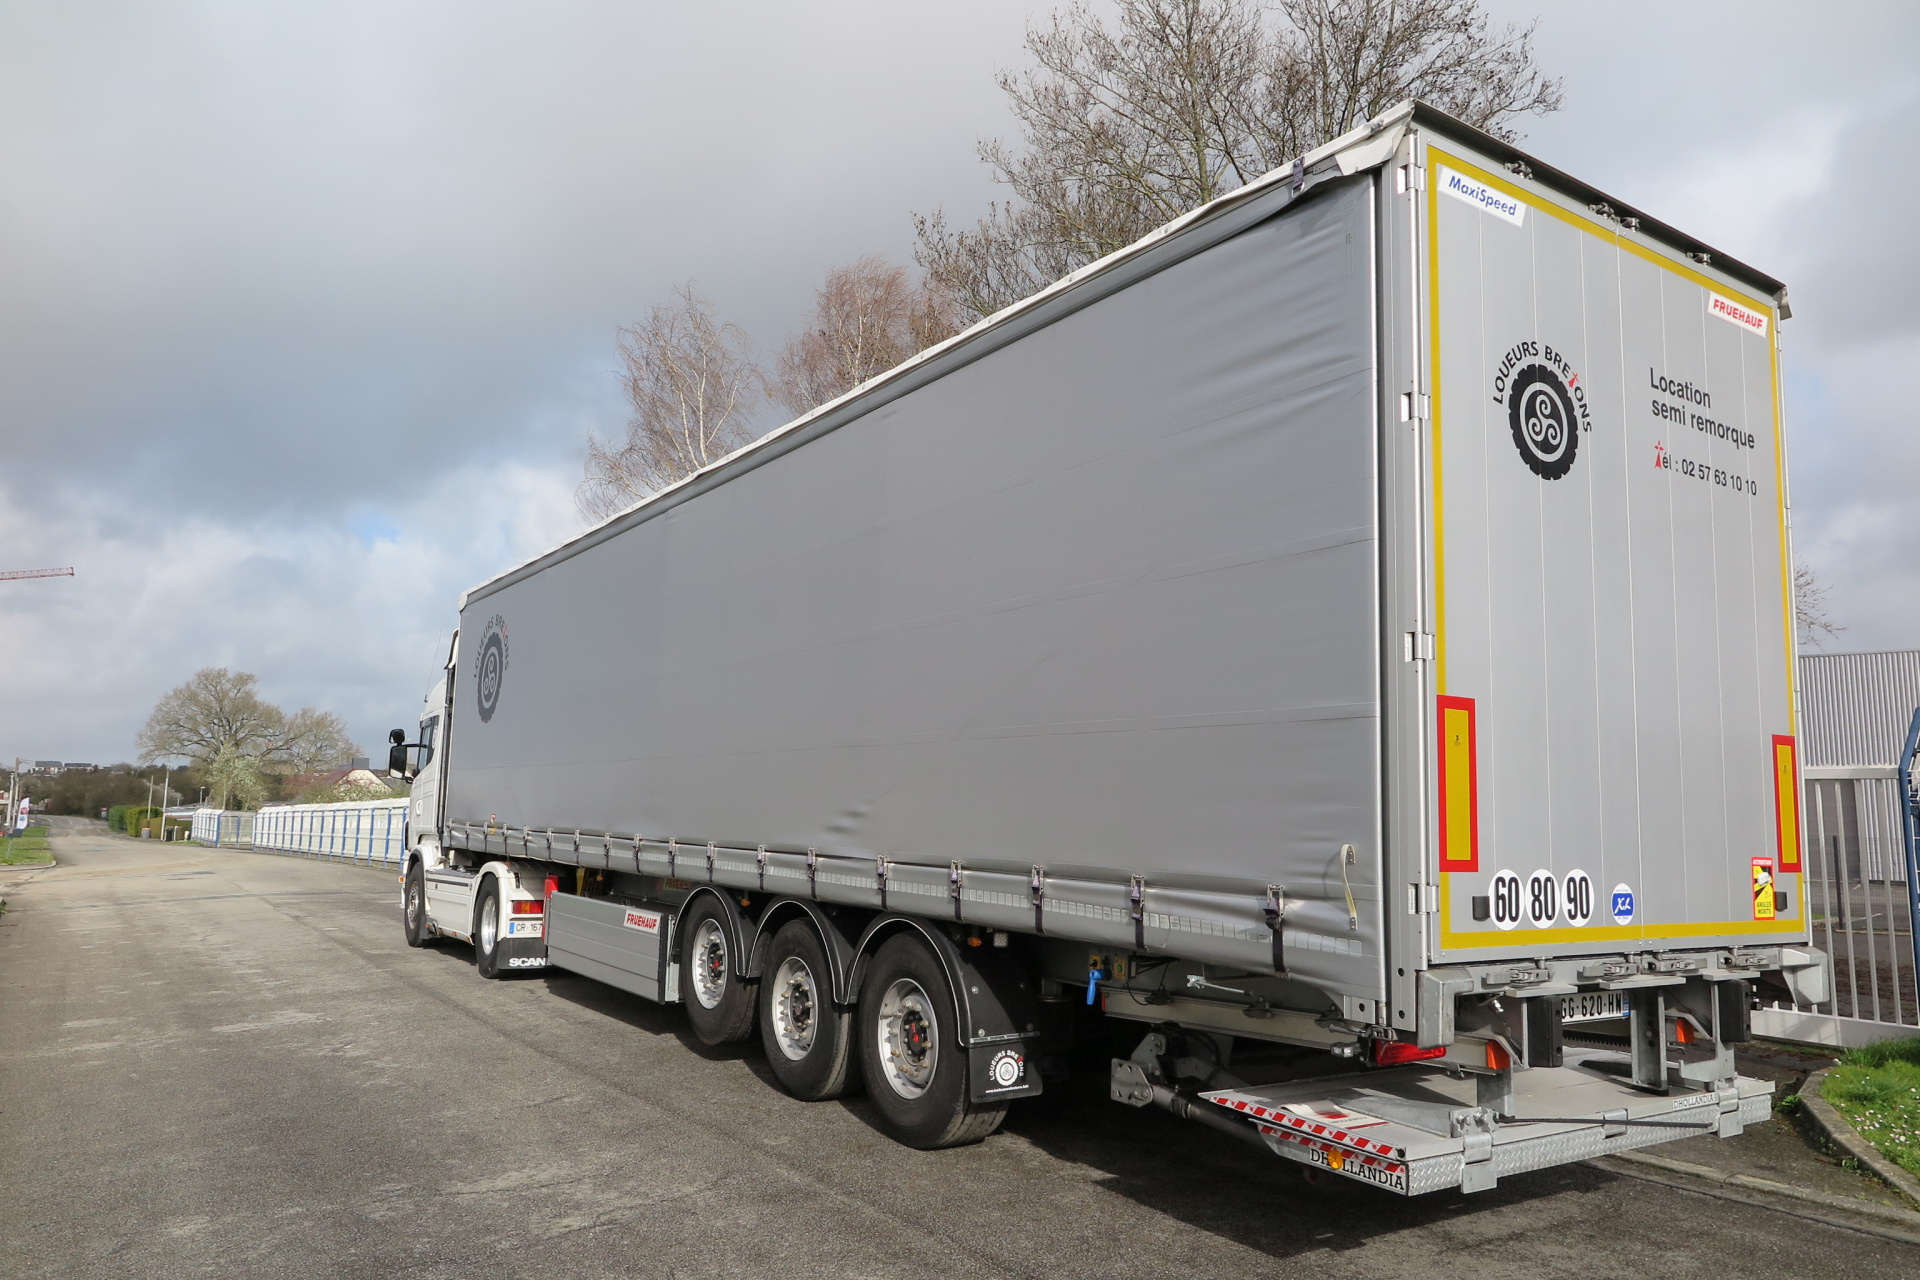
<point>490,665</point>
<point>1546,406</point>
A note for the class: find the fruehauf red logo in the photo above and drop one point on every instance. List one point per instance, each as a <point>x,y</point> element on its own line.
<point>1733,313</point>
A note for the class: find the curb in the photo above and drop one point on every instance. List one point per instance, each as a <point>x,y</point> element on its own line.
<point>1834,1127</point>
<point>1851,1204</point>
<point>1720,1187</point>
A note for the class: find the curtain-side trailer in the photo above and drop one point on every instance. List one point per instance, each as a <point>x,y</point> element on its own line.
<point>1356,617</point>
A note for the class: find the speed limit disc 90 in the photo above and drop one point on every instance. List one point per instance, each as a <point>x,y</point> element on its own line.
<point>1577,896</point>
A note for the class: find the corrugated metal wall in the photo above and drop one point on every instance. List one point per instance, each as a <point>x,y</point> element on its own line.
<point>1854,712</point>
<point>1855,707</point>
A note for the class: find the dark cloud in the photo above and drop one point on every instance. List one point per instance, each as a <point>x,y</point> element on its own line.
<point>242,237</point>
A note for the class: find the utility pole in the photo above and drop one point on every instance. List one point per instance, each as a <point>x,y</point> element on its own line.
<point>13,787</point>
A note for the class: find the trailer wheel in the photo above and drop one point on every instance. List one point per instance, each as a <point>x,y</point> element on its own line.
<point>414,908</point>
<point>719,1002</point>
<point>910,1051</point>
<point>808,1039</point>
<point>486,930</point>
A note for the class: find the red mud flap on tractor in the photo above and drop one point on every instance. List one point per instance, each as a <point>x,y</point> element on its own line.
<point>1414,1130</point>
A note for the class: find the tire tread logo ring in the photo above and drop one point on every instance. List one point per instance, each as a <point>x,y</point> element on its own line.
<point>490,666</point>
<point>1545,425</point>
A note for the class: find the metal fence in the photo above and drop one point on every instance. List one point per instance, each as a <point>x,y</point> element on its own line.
<point>373,832</point>
<point>1856,884</point>
<point>222,828</point>
<point>1856,710</point>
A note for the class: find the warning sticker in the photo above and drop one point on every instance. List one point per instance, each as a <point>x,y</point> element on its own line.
<point>1332,1115</point>
<point>1763,900</point>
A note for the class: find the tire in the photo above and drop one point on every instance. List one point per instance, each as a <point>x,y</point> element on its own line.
<point>486,930</point>
<point>413,908</point>
<point>808,1038</point>
<point>910,1054</point>
<point>720,1004</point>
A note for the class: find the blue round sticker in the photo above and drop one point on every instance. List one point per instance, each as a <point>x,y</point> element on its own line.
<point>1622,904</point>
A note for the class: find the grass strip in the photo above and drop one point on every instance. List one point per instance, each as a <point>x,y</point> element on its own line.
<point>1877,1088</point>
<point>28,847</point>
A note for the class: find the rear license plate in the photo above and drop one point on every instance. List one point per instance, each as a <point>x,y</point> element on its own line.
<point>1593,1006</point>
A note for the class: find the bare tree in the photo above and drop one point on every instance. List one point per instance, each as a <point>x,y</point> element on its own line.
<point>691,384</point>
<point>1810,608</point>
<point>312,739</point>
<point>219,720</point>
<point>1185,100</point>
<point>867,317</point>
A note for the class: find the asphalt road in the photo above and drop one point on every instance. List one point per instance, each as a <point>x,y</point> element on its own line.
<point>229,1064</point>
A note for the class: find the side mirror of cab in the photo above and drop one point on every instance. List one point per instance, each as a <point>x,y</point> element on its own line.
<point>397,754</point>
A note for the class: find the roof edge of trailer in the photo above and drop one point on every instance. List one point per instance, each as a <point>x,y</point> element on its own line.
<point>1564,183</point>
<point>1366,146</point>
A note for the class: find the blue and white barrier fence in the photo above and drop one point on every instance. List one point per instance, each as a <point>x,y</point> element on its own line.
<point>222,828</point>
<point>372,832</point>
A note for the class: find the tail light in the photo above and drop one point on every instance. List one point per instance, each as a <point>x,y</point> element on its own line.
<point>1394,1053</point>
<point>528,906</point>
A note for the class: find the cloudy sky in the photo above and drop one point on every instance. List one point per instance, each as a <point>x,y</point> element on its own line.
<point>306,310</point>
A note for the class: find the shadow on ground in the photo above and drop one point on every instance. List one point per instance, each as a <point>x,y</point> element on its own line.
<point>1231,1189</point>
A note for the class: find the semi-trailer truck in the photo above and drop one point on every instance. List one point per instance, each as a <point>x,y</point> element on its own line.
<point>1347,634</point>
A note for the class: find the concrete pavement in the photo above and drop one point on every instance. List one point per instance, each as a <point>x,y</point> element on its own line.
<point>229,1064</point>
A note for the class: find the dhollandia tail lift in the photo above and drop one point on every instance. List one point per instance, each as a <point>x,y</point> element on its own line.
<point>1420,1128</point>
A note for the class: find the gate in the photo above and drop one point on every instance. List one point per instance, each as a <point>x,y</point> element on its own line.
<point>1863,846</point>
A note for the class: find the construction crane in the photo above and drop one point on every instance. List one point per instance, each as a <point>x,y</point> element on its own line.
<point>8,574</point>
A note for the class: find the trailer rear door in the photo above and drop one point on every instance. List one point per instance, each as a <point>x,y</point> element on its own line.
<point>1612,712</point>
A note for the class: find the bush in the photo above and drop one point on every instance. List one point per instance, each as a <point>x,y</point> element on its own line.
<point>117,817</point>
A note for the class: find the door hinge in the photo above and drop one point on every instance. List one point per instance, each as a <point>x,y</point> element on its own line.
<point>1423,899</point>
<point>1416,646</point>
<point>1414,407</point>
<point>1409,177</point>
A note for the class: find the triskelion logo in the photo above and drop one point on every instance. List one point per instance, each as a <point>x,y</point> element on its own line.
<point>1546,406</point>
<point>491,666</point>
